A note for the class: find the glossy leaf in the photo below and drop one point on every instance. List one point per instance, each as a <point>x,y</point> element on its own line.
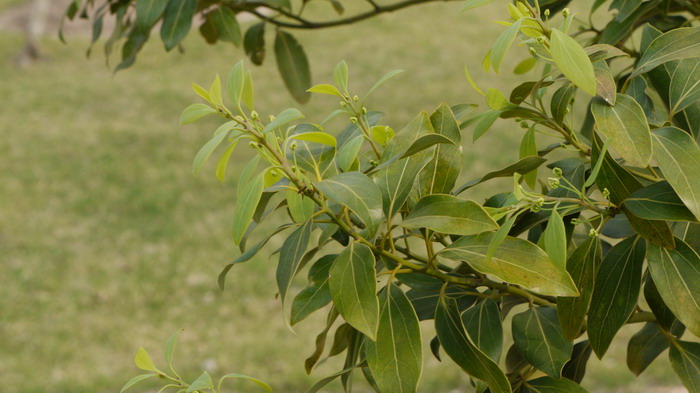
<point>646,345</point>
<point>516,261</point>
<point>605,83</point>
<point>561,99</point>
<point>572,61</point>
<point>293,65</point>
<point>677,44</point>
<point>528,147</point>
<point>300,206</point>
<point>685,360</point>
<point>195,112</point>
<point>678,156</point>
<point>177,20</point>
<point>658,201</point>
<point>575,369</point>
<point>354,288</point>
<point>325,88</point>
<point>582,266</point>
<point>483,325</point>
<point>627,125</point>
<point>676,274</point>
<point>450,215</point>
<point>458,346</point>
<point>317,294</point>
<point>286,116</point>
<point>616,292</point>
<point>359,194</point>
<point>551,385</point>
<point>539,338</point>
<point>554,237</point>
<point>503,43</point>
<point>292,251</point>
<point>245,206</point>
<point>441,172</point>
<point>395,359</point>
<point>348,153</point>
<point>148,12</point>
<point>316,137</point>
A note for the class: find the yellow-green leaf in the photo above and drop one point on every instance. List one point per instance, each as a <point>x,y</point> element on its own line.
<point>572,61</point>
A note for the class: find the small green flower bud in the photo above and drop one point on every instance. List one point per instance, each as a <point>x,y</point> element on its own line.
<point>606,193</point>
<point>533,51</point>
<point>523,124</point>
<point>546,12</point>
<point>364,110</point>
<point>557,172</point>
<point>373,162</point>
<point>239,119</point>
<point>592,232</point>
<point>254,115</point>
<point>356,98</point>
<point>353,120</point>
<point>565,13</point>
<point>272,118</point>
<point>293,146</point>
<point>252,145</point>
<point>342,103</point>
<point>553,182</point>
<point>575,221</point>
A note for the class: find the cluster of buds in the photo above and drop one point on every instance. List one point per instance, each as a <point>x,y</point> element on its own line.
<point>530,27</point>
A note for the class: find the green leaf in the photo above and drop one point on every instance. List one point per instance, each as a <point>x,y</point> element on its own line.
<point>300,207</point>
<point>215,92</point>
<point>316,137</point>
<point>284,117</point>
<point>617,286</point>
<point>528,147</point>
<point>425,142</point>
<point>599,163</point>
<point>235,82</point>
<point>676,274</point>
<point>524,90</point>
<point>469,4</point>
<point>575,369</point>
<point>627,125</point>
<point>555,240</point>
<point>195,112</point>
<point>354,288</point>
<point>133,381</point>
<point>485,123</point>
<point>539,338</point>
<point>224,160</point>
<point>219,135</point>
<point>684,89</point>
<point>382,134</point>
<point>227,27</point>
<point>516,261</point>
<point>245,207</point>
<point>396,180</point>
<point>582,266</point>
<point>293,65</point>
<point>143,361</point>
<point>449,215</point>
<point>356,191</point>
<point>658,201</point>
<point>425,300</point>
<point>292,251</point>
<point>561,99</point>
<point>483,324</point>
<point>572,61</point>
<point>525,66</point>
<point>325,88</point>
<point>395,359</point>
<point>340,75</point>
<point>247,94</point>
<point>605,83</point>
<point>317,294</point>
<point>678,156</point>
<point>148,12</point>
<point>552,385</point>
<point>170,348</point>
<point>502,44</point>
<point>177,20</point>
<point>247,378</point>
<point>471,81</point>
<point>496,100</point>
<point>458,346</point>
<point>202,382</point>
<point>381,81</point>
<point>677,44</point>
<point>524,165</point>
<point>685,360</point>
<point>254,43</point>
<point>348,153</point>
<point>647,344</point>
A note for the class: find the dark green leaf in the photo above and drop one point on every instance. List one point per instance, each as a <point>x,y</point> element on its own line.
<point>516,261</point>
<point>525,89</point>
<point>354,288</point>
<point>658,202</point>
<point>524,165</point>
<point>148,12</point>
<point>582,266</point>
<point>575,369</point>
<point>292,251</point>
<point>561,99</point>
<point>551,385</point>
<point>554,237</point>
<point>254,43</point>
<point>678,156</point>
<point>616,292</point>
<point>293,65</point>
<point>676,274</point>
<point>449,215</point>
<point>539,338</point>
<point>676,44</point>
<point>395,359</point>
<point>227,28</point>
<point>177,20</point>
<point>311,361</point>
<point>356,191</point>
<point>317,294</point>
<point>441,172</point>
<point>684,89</point>
<point>685,360</point>
<point>664,316</point>
<point>458,346</point>
<point>483,324</point>
<point>425,301</point>
<point>647,344</point>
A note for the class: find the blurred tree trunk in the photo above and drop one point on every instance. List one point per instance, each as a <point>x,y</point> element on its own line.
<point>36,25</point>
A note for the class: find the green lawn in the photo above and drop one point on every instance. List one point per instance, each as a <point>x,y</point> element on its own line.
<point>110,243</point>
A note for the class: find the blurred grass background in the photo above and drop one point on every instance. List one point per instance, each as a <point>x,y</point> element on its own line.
<point>108,242</point>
